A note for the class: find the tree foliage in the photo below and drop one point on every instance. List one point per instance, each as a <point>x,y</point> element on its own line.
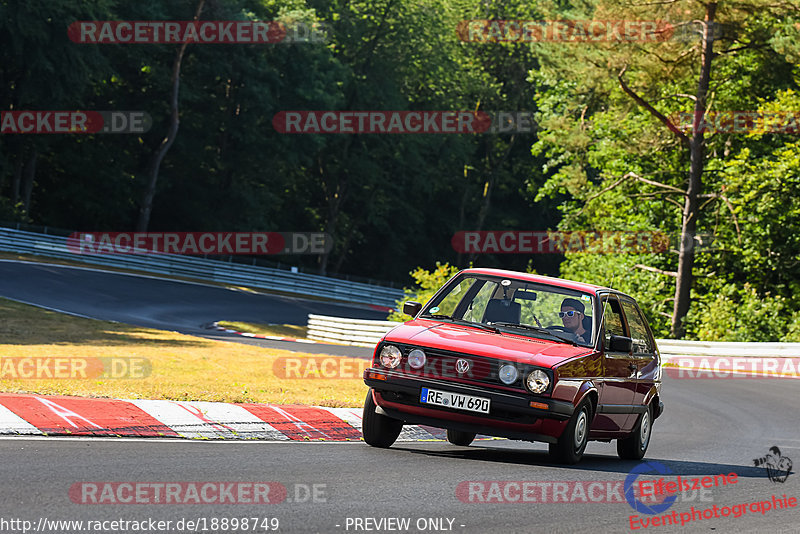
<point>427,284</point>
<point>601,157</point>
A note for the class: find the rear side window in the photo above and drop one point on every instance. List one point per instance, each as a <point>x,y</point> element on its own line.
<point>612,319</point>
<point>642,343</point>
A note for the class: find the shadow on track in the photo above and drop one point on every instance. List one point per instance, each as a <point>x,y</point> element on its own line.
<point>590,462</point>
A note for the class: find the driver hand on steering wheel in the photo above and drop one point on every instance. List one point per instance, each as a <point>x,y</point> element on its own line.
<point>572,316</point>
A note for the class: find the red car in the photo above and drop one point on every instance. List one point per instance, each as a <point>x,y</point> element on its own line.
<point>521,356</point>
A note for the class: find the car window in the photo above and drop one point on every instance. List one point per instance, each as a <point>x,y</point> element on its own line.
<point>612,319</point>
<point>642,344</point>
<point>448,305</point>
<point>530,311</point>
<point>546,307</point>
<point>477,307</point>
<point>508,302</point>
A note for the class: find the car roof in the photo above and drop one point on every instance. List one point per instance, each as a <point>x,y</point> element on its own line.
<point>541,279</point>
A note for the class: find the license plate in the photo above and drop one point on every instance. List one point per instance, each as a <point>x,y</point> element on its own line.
<point>454,400</point>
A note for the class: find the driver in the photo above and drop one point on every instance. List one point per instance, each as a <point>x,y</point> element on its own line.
<point>572,316</point>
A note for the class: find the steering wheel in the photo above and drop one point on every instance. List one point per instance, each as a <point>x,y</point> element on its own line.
<point>560,329</point>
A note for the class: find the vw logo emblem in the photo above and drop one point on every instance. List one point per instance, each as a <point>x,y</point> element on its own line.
<point>462,366</point>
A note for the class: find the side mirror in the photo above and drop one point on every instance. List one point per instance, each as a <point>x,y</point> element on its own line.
<point>411,308</point>
<point>620,344</point>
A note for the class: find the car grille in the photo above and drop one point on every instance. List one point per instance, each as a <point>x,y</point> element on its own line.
<point>444,365</point>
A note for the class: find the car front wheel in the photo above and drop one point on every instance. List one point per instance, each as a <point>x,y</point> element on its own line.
<point>456,437</point>
<point>378,430</point>
<point>635,446</point>
<point>570,446</point>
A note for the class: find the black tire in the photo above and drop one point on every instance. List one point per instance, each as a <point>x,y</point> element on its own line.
<point>635,446</point>
<point>378,430</point>
<point>456,437</point>
<point>570,446</point>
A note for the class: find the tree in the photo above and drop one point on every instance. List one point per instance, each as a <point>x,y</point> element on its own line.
<point>166,143</point>
<point>621,140</point>
<point>41,73</point>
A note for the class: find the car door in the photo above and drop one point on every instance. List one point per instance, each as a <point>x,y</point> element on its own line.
<point>644,350</point>
<point>616,390</point>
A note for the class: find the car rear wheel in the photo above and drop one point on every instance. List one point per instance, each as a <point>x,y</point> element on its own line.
<point>570,446</point>
<point>456,437</point>
<point>635,446</point>
<point>378,430</point>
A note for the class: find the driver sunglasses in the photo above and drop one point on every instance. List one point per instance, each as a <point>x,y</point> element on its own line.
<point>567,313</point>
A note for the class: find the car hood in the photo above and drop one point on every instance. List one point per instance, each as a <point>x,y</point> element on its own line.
<point>470,340</point>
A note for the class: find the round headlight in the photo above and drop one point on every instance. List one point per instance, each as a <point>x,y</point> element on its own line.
<point>508,374</point>
<point>416,359</point>
<point>390,356</point>
<point>537,381</point>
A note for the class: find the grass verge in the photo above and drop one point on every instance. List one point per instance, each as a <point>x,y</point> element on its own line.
<point>183,367</point>
<point>279,330</point>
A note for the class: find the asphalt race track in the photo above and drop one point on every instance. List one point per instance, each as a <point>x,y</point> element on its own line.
<point>710,427</point>
<point>168,304</point>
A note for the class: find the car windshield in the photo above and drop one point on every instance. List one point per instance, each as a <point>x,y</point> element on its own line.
<point>517,306</point>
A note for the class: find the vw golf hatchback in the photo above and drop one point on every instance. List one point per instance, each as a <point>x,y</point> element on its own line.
<point>520,356</point>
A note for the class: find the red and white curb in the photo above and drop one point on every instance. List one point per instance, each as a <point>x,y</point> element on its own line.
<point>79,416</point>
<point>215,326</point>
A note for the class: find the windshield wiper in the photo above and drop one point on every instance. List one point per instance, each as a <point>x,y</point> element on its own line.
<point>464,322</point>
<point>536,329</point>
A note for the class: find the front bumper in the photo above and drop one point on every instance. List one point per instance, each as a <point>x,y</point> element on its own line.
<point>510,415</point>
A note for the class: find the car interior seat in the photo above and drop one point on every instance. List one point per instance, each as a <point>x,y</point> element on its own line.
<point>587,325</point>
<point>500,310</point>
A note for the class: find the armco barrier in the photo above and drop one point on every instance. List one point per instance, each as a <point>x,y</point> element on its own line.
<point>368,333</point>
<point>677,347</point>
<point>357,332</point>
<point>22,242</point>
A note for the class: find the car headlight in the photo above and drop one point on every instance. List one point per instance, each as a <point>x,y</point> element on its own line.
<point>508,374</point>
<point>390,356</point>
<point>537,381</point>
<point>416,359</point>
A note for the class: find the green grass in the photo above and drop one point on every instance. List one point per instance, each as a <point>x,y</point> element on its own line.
<point>279,330</point>
<point>183,367</point>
